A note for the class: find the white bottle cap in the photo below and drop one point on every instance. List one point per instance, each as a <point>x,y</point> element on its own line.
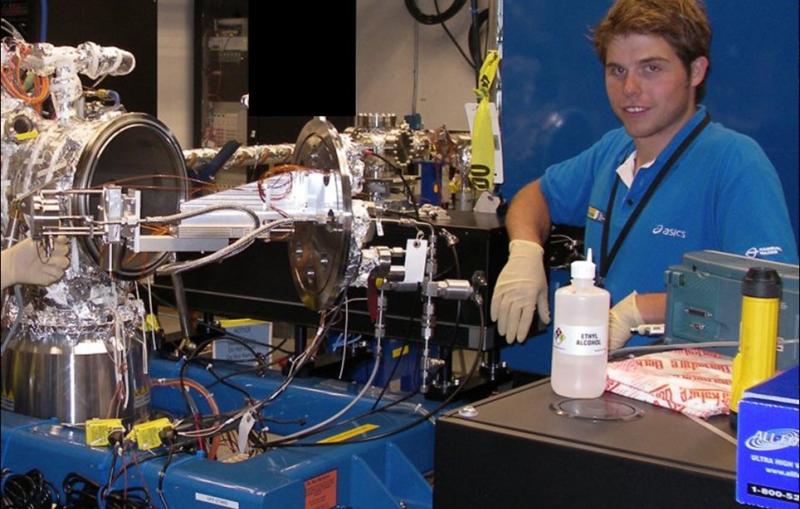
<point>583,269</point>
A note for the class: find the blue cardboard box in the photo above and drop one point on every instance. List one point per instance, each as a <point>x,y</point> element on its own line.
<point>767,473</point>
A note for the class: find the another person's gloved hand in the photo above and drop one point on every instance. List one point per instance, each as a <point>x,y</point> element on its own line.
<point>520,289</point>
<point>22,263</point>
<point>622,317</point>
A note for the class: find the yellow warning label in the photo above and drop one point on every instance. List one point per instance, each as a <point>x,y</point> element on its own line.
<point>239,322</point>
<point>397,352</point>
<point>27,135</point>
<point>341,437</point>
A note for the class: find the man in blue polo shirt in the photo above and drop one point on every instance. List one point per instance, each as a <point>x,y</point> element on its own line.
<point>668,182</point>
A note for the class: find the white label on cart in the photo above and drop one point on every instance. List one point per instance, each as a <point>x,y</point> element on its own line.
<point>210,499</point>
<point>580,340</point>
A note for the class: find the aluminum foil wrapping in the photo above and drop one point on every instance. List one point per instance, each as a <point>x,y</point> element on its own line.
<point>244,156</point>
<point>361,233</point>
<point>84,304</point>
<point>354,152</point>
<point>87,58</point>
<point>369,260</point>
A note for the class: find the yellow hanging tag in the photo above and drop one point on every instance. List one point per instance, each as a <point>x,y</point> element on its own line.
<point>481,172</point>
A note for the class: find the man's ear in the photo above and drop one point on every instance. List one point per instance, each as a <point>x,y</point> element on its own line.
<point>698,69</point>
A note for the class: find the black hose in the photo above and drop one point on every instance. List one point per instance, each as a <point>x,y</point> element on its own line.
<point>427,19</point>
<point>473,39</point>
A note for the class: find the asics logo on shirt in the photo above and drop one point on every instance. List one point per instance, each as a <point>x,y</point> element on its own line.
<point>669,232</point>
<point>755,252</point>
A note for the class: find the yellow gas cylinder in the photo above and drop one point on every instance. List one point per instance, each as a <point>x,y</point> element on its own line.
<point>758,332</point>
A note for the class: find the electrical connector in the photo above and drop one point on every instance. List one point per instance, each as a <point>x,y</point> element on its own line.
<point>148,435</point>
<point>99,430</point>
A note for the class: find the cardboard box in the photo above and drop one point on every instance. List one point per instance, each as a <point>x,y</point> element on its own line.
<point>767,473</point>
<point>257,332</point>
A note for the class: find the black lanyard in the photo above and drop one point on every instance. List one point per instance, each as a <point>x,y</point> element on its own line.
<point>607,258</point>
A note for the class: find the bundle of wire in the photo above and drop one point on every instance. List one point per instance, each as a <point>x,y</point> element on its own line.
<point>32,89</point>
<point>279,181</point>
<point>83,493</point>
<point>30,490</point>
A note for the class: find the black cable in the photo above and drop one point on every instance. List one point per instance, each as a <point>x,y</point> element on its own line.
<point>419,420</point>
<point>376,410</point>
<point>395,364</point>
<point>399,171</point>
<point>190,404</point>
<point>162,474</point>
<point>107,487</point>
<point>271,348</point>
<point>137,460</point>
<point>454,336</point>
<point>365,414</point>
<point>79,492</point>
<point>418,298</point>
<point>128,499</point>
<point>427,19</point>
<point>219,379</point>
<point>191,358</point>
<point>29,490</point>
<point>336,315</point>
<point>471,63</point>
<point>82,493</point>
<point>222,330</point>
<point>242,372</point>
<point>478,53</point>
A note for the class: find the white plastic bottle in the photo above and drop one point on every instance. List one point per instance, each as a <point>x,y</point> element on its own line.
<point>580,335</point>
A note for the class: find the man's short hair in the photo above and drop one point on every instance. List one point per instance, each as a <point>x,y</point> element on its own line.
<point>682,23</point>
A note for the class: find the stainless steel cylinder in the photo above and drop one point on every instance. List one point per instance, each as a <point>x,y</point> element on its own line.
<point>74,381</point>
<point>78,353</point>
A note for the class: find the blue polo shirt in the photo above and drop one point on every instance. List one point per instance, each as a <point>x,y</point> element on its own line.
<point>722,193</point>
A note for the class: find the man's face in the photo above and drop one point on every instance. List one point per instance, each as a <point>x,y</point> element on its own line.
<point>650,90</point>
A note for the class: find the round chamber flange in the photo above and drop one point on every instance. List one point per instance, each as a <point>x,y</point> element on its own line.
<point>135,150</point>
<point>600,409</point>
<point>319,253</point>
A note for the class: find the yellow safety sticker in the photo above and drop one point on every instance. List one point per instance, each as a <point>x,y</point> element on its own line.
<point>239,322</point>
<point>27,136</point>
<point>341,437</point>
<point>397,352</point>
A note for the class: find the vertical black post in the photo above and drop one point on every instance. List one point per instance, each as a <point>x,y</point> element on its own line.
<point>181,305</point>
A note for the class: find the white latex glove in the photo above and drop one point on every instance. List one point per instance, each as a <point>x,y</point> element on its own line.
<point>22,263</point>
<point>622,317</point>
<point>520,289</point>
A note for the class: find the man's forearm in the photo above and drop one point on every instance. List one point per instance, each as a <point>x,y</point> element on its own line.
<point>528,216</point>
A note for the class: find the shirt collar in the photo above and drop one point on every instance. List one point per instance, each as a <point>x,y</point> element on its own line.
<point>625,170</point>
<point>698,117</point>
